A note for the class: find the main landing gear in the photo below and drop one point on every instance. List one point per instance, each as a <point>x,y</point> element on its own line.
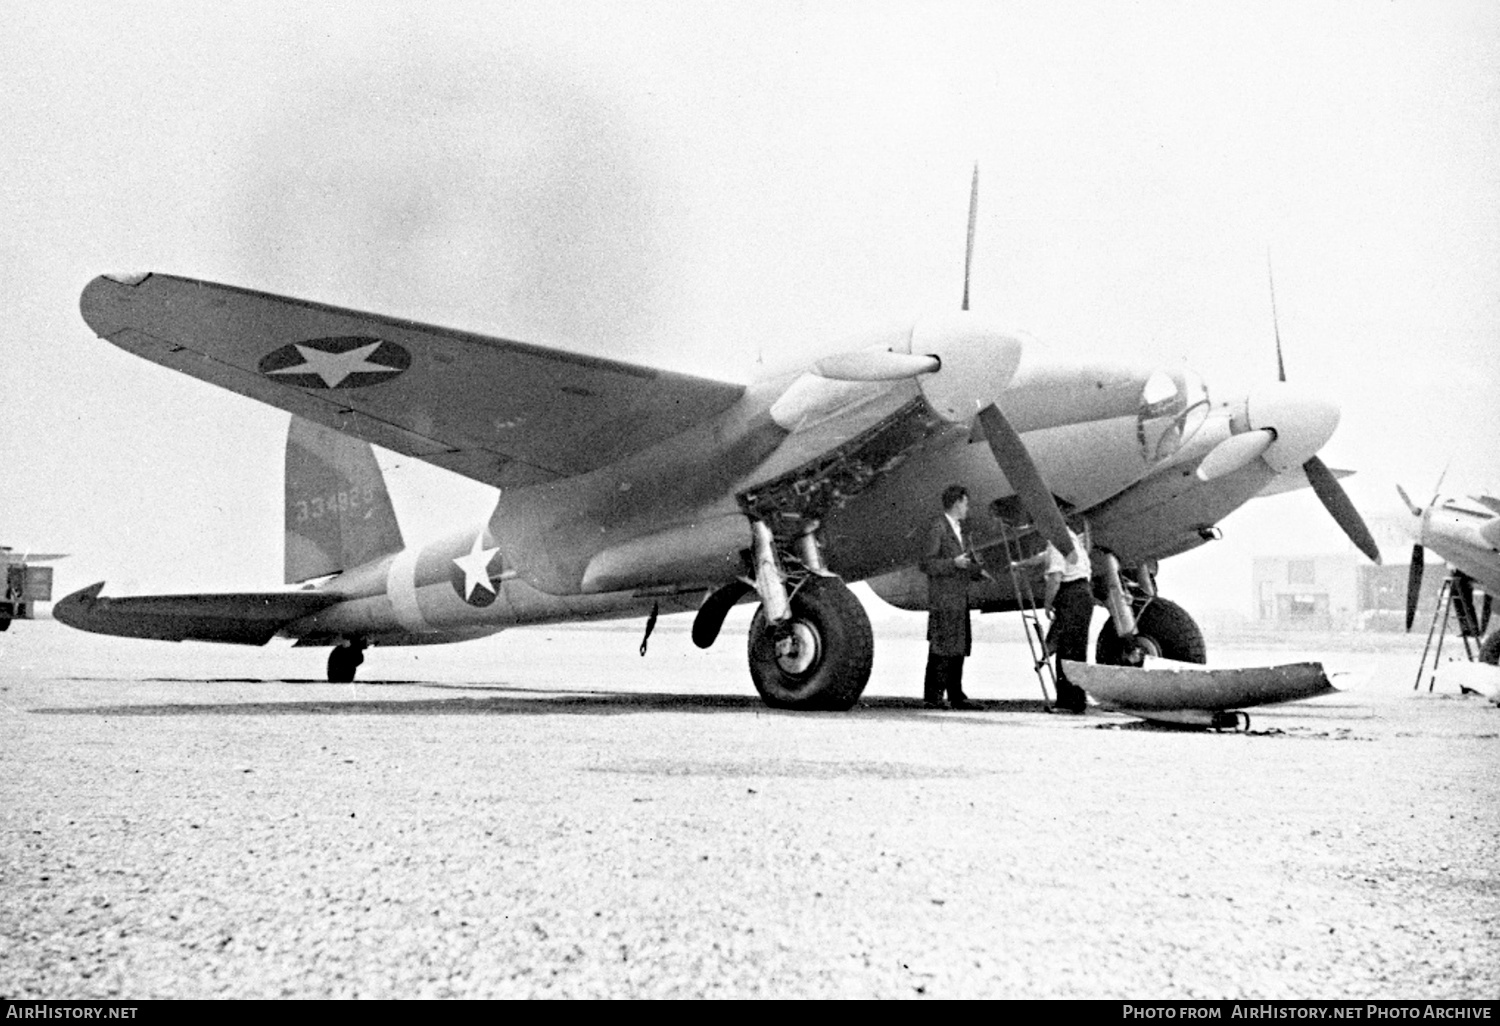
<point>1163,629</point>
<point>344,660</point>
<point>819,657</point>
<point>811,646</point>
<point>1142,623</point>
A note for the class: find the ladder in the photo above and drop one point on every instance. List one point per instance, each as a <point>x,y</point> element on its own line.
<point>1449,599</point>
<point>1031,620</point>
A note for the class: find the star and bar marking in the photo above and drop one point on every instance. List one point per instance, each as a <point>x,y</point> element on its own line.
<point>338,362</point>
<point>478,587</point>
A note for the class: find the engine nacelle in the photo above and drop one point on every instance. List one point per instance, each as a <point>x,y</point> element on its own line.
<point>1303,422</point>
<point>977,360</point>
<point>959,363</point>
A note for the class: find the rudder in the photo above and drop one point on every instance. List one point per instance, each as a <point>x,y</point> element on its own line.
<point>338,512</point>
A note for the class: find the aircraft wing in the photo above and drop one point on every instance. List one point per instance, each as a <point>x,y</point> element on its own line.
<point>502,412</point>
<point>241,619</point>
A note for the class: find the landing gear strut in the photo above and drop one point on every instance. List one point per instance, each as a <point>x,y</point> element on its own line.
<point>1122,614</point>
<point>344,660</point>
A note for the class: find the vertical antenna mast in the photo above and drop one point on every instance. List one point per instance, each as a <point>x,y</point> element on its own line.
<point>969,249</point>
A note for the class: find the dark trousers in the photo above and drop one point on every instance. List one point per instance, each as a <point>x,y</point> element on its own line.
<point>1072,611</point>
<point>944,673</point>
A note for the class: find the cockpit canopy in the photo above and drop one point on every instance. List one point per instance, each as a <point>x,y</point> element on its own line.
<point>1173,406</point>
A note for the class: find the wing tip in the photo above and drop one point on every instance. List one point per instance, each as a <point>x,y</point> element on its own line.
<point>130,278</point>
<point>100,302</point>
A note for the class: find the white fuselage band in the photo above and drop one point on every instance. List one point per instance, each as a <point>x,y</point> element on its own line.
<point>401,586</point>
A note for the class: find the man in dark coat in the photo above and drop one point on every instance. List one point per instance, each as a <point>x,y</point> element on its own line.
<point>949,562</point>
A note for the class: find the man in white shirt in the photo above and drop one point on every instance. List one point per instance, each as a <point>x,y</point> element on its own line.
<point>1069,598</point>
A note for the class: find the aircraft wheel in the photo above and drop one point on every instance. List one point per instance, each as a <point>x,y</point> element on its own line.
<point>820,658</point>
<point>1489,652</point>
<point>342,662</point>
<point>4,624</point>
<point>1164,629</point>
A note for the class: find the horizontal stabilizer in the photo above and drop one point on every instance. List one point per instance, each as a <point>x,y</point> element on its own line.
<point>239,619</point>
<point>9,555</point>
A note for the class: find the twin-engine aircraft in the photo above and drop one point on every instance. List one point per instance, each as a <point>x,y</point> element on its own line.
<point>626,490</point>
<point>1466,533</point>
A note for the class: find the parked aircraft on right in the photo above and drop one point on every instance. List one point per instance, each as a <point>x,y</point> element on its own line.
<point>1465,531</point>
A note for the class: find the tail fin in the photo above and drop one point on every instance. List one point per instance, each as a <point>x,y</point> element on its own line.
<point>338,512</point>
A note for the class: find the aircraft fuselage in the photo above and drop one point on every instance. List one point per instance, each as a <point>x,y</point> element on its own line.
<point>663,526</point>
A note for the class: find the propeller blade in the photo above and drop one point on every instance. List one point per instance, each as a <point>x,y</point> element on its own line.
<point>1334,499</point>
<point>969,249</point>
<point>1234,452</point>
<point>1416,510</point>
<point>1414,584</point>
<point>1275,326</point>
<point>1017,466</point>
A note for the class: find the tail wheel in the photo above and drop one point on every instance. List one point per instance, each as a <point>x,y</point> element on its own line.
<point>342,662</point>
<point>818,659</point>
<point>1163,628</point>
<point>1489,652</point>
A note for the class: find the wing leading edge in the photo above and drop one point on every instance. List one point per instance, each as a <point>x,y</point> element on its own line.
<point>501,412</point>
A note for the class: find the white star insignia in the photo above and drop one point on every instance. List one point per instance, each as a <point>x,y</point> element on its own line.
<point>335,367</point>
<point>476,567</point>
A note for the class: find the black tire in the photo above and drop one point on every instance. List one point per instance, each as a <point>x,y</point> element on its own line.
<point>4,623</point>
<point>343,661</point>
<point>1163,628</point>
<point>830,665</point>
<point>1489,651</point>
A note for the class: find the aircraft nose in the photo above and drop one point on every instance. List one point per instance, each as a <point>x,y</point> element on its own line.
<point>1302,421</point>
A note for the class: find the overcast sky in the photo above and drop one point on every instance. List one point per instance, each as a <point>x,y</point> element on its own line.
<point>699,186</point>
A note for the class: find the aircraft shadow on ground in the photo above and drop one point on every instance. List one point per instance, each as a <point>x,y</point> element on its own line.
<point>514,701</point>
